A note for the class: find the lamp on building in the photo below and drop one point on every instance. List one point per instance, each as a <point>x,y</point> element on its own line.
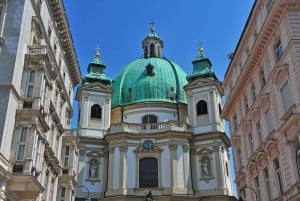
<point>88,196</point>
<point>249,187</point>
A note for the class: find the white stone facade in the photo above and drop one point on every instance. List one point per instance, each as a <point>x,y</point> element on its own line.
<point>262,102</point>
<point>39,70</point>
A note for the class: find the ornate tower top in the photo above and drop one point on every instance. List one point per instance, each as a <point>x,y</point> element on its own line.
<point>152,44</point>
<point>96,71</point>
<point>202,67</point>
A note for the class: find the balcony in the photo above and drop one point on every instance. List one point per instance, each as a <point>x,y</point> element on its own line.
<point>36,50</point>
<point>136,128</point>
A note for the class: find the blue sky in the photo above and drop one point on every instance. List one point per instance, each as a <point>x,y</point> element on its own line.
<point>119,26</point>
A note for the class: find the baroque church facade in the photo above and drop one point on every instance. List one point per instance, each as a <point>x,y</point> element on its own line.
<point>151,128</point>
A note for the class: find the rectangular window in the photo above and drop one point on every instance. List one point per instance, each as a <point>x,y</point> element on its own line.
<point>297,155</point>
<point>246,104</point>
<point>269,120</point>
<point>250,143</point>
<point>262,77</point>
<point>21,144</point>
<point>286,96</point>
<point>258,131</point>
<point>257,188</point>
<point>37,151</point>
<point>253,91</point>
<point>29,92</point>
<point>66,160</point>
<point>239,157</point>
<point>278,176</point>
<point>235,124</point>
<point>278,50</point>
<point>44,93</point>
<point>269,5</point>
<point>268,184</point>
<point>62,193</point>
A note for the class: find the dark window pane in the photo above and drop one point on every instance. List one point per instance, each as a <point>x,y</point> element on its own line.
<point>148,175</point>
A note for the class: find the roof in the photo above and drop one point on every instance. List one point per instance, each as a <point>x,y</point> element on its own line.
<point>149,80</point>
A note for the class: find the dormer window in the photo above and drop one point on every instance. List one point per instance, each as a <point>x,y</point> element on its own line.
<point>149,70</point>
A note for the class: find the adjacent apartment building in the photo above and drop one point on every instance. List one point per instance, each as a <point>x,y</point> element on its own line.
<point>39,70</point>
<point>262,89</point>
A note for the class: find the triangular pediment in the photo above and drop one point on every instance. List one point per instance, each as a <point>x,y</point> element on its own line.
<point>203,82</point>
<point>96,86</point>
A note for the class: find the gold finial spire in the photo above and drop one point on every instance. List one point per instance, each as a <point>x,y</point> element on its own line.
<point>97,52</point>
<point>201,50</point>
<point>152,29</point>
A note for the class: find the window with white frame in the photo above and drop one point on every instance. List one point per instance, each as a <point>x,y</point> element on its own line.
<point>246,104</point>
<point>201,107</point>
<point>257,188</point>
<point>253,91</point>
<point>278,176</point>
<point>267,184</point>
<point>258,131</point>
<point>262,77</point>
<point>62,193</point>
<point>286,96</point>
<point>21,143</point>
<point>235,123</point>
<point>2,16</point>
<point>37,149</point>
<point>66,157</point>
<point>96,112</point>
<point>29,91</point>
<point>278,50</point>
<point>269,121</point>
<point>250,143</point>
<point>44,93</point>
<point>239,157</point>
<point>296,144</point>
<point>148,172</point>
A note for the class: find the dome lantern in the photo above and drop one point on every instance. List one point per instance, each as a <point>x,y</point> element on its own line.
<point>152,44</point>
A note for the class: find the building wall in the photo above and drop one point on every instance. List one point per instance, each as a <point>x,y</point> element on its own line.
<point>262,98</point>
<point>37,81</point>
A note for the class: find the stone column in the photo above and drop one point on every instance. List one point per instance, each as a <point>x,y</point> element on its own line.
<point>173,161</point>
<point>123,167</point>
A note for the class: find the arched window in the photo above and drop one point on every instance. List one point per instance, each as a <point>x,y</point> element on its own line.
<point>148,172</point>
<point>96,111</point>
<point>205,167</point>
<point>150,118</point>
<point>201,107</point>
<point>93,169</point>
<point>152,51</point>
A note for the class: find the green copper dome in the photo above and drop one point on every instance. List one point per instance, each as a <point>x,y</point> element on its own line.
<point>149,80</point>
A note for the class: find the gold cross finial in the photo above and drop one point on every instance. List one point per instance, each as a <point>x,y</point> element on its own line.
<point>97,52</point>
<point>152,26</point>
<point>201,50</point>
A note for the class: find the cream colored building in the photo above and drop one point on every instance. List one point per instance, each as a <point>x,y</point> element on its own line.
<point>262,103</point>
<point>153,127</point>
<point>39,71</point>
